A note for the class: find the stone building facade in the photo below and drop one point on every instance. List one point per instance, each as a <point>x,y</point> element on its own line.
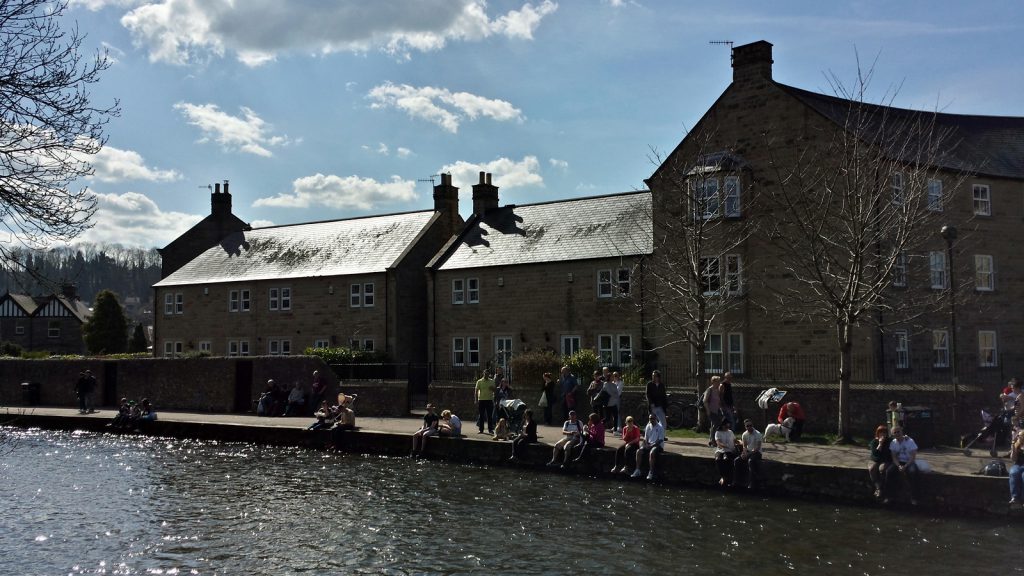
<point>52,323</point>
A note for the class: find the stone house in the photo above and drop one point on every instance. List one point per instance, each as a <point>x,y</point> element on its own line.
<point>553,275</point>
<point>758,131</point>
<point>355,282</point>
<point>52,323</point>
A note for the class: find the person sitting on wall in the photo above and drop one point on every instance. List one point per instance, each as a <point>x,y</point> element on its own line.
<point>146,413</point>
<point>881,459</point>
<point>725,452</point>
<point>296,400</point>
<point>266,403</point>
<point>345,420</point>
<point>651,446</point>
<point>325,416</point>
<point>630,444</point>
<point>796,412</point>
<point>572,436</point>
<point>528,436</point>
<point>501,431</point>
<point>450,425</point>
<point>280,399</point>
<point>749,459</point>
<point>123,417</point>
<point>318,390</point>
<point>429,428</point>
<point>904,452</point>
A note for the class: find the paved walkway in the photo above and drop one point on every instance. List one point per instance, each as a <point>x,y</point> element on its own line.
<point>942,460</point>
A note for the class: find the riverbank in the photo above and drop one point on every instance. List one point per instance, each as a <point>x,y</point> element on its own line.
<point>816,472</point>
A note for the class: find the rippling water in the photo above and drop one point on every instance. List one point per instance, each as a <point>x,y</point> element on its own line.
<point>88,503</point>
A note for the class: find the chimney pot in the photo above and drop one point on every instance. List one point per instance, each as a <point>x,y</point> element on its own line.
<point>488,177</point>
<point>225,186</point>
<point>482,177</point>
<point>216,188</point>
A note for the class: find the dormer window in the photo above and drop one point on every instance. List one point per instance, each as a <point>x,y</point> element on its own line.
<point>715,186</point>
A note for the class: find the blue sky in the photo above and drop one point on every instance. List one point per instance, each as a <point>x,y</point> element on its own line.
<point>320,109</point>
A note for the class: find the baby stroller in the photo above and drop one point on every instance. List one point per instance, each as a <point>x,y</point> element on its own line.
<point>998,428</point>
<point>512,411</point>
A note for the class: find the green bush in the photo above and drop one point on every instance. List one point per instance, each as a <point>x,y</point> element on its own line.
<point>342,355</point>
<point>528,368</point>
<point>583,364</point>
<point>10,349</point>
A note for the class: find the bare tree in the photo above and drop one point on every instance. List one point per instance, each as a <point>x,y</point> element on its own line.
<point>851,202</point>
<point>48,124</point>
<point>695,276</point>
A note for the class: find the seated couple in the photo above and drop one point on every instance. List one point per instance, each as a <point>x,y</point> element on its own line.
<point>447,424</point>
<point>576,435</point>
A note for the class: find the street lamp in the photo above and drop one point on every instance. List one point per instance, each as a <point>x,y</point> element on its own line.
<point>949,234</point>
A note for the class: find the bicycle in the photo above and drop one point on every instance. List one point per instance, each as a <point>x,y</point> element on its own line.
<point>679,414</point>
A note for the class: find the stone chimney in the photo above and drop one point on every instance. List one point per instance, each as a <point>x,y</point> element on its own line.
<point>446,201</point>
<point>69,291</point>
<point>485,195</point>
<point>752,62</point>
<point>220,202</point>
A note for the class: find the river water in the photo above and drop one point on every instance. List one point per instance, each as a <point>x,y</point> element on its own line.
<point>83,503</point>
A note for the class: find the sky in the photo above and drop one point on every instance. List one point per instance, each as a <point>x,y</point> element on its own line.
<point>326,109</point>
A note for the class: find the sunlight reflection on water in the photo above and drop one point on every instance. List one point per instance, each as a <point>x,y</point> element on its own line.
<point>85,503</point>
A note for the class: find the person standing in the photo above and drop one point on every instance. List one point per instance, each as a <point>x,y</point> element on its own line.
<point>484,394</point>
<point>567,386</point>
<point>713,407</point>
<point>657,398</point>
<point>90,389</point>
<point>80,386</point>
<point>318,390</point>
<point>728,402</point>
<point>548,389</point>
<point>611,407</point>
<point>1017,471</point>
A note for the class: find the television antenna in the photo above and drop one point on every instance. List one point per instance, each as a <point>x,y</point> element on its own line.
<point>728,43</point>
<point>429,179</point>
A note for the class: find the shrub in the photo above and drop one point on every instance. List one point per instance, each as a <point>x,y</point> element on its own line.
<point>10,349</point>
<point>342,355</point>
<point>528,368</point>
<point>582,364</point>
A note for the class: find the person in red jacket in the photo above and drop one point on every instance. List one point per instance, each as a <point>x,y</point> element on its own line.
<point>794,410</point>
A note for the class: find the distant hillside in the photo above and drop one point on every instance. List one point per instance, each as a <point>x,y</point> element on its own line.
<point>128,272</point>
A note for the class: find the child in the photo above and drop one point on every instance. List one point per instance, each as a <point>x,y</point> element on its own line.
<point>501,431</point>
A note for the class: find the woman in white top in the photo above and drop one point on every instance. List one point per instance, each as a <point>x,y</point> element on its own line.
<point>725,452</point>
<point>611,409</point>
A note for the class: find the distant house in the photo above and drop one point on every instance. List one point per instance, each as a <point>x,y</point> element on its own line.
<point>357,282</point>
<point>52,323</point>
<point>554,275</point>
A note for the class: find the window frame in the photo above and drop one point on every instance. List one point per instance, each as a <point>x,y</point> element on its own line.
<point>458,291</point>
<point>708,202</point>
<point>273,298</point>
<point>940,348</point>
<point>369,295</point>
<point>984,268</point>
<point>935,194</point>
<point>734,352</point>
<point>233,301</point>
<point>472,290</point>
<point>624,281</point>
<point>938,270</point>
<point>624,349</point>
<point>710,275</point>
<point>606,348</point>
<point>355,295</point>
<point>899,270</point>
<point>733,279</point>
<point>732,202</point>
<point>206,346</point>
<point>605,286</point>
<point>169,304</point>
<point>458,351</point>
<point>472,350</point>
<point>901,340</point>
<point>991,358</point>
<point>179,303</point>
<point>575,344</point>
<point>896,187</point>
<point>321,343</point>
<point>982,196</point>
<point>19,328</point>
<point>53,329</point>
<point>713,350</point>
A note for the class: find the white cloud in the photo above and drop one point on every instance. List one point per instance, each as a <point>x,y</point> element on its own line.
<point>506,173</point>
<point>257,31</point>
<point>246,133</point>
<point>261,223</point>
<point>556,163</point>
<point>585,187</point>
<point>440,106</point>
<point>116,165</point>
<point>348,192</point>
<point>133,219</point>
<point>382,149</point>
<point>403,152</point>
<point>97,5</point>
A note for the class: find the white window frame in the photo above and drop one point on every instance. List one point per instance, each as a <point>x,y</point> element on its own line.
<point>708,202</point>
<point>53,329</point>
<point>368,295</point>
<point>734,351</point>
<point>458,291</point>
<point>173,349</point>
<point>322,343</point>
<point>571,344</point>
<point>232,348</point>
<point>935,195</point>
<point>472,351</point>
<point>473,290</point>
<point>458,351</point>
<point>984,273</point>
<point>624,349</point>
<point>168,304</point>
<point>233,301</point>
<point>205,346</point>
<point>286,298</point>
<point>714,358</point>
<point>710,275</point>
<point>940,348</point>
<point>274,298</point>
<point>624,281</point>
<point>734,273</point>
<point>982,194</point>
<point>355,295</point>
<point>937,270</point>
<point>368,345</point>
<point>179,303</point>
<point>988,349</point>
<point>503,351</point>
<point>279,347</point>
<point>605,287</point>
<point>243,347</point>
<point>606,348</point>
<point>244,300</point>
<point>899,270</point>
<point>732,197</point>
<point>902,345</point>
<point>19,328</point>
<point>896,186</point>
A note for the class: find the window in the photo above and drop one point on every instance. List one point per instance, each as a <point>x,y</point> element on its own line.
<point>368,298</point>
<point>736,353</point>
<point>274,298</point>
<point>279,347</point>
<point>605,348</point>
<point>710,275</point>
<point>233,348</point>
<point>459,351</point>
<point>53,329</point>
<point>604,284</point>
<point>625,349</point>
<point>733,206</point>
<point>570,345</point>
<point>502,351</point>
<point>899,271</point>
<point>179,303</point>
<point>982,200</point>
<point>168,304</point>
<point>368,344</point>
<point>937,268</point>
<point>172,349</point>
<point>615,349</point>
<point>458,291</point>
<point>286,298</point>
<point>238,347</point>
<point>473,351</point>
<point>473,290</point>
<point>206,346</point>
<point>733,273</point>
<point>987,353</point>
<point>706,199</point>
<point>624,281</point>
<point>902,349</point>
<point>713,354</point>
<point>897,187</point>
<point>239,301</point>
<point>935,195</point>
<point>19,328</point>
<point>321,343</point>
<point>940,349</point>
<point>984,273</point>
<point>356,295</point>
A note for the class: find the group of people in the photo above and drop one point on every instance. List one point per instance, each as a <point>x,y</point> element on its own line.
<point>339,415</point>
<point>132,415</point>
<point>1012,398</point>
<point>893,457</point>
<point>277,399</point>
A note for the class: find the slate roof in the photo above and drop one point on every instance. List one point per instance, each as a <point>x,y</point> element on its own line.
<point>34,305</point>
<point>577,229</point>
<point>991,145</point>
<point>27,303</point>
<point>332,248</point>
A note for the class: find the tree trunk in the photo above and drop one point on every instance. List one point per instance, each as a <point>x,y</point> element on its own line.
<point>843,331</point>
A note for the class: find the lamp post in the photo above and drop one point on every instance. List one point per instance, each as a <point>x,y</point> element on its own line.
<point>949,234</point>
